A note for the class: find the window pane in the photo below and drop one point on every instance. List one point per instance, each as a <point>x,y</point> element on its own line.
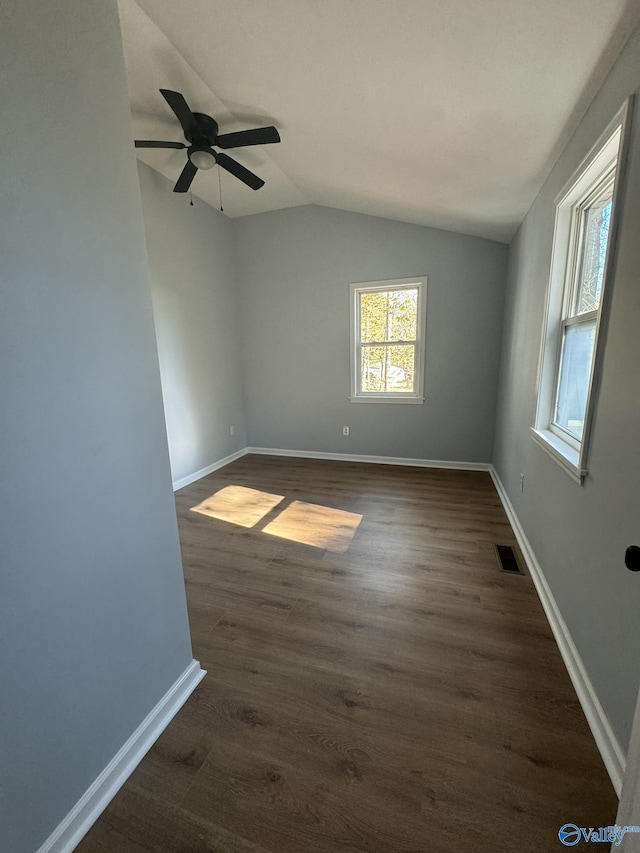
<point>373,316</point>
<point>594,250</point>
<point>388,368</point>
<point>575,371</point>
<point>389,315</point>
<point>404,314</point>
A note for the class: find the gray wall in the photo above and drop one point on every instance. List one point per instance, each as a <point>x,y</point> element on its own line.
<point>295,267</point>
<point>93,624</point>
<point>579,534</point>
<point>193,285</point>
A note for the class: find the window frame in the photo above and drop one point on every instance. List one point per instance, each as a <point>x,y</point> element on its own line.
<point>406,397</point>
<point>588,183</point>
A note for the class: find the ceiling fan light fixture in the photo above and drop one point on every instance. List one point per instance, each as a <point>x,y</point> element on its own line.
<point>203,158</point>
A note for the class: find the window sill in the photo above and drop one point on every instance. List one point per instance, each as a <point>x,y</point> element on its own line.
<point>395,400</point>
<point>567,457</point>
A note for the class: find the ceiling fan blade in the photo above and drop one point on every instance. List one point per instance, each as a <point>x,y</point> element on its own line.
<point>151,143</point>
<point>259,136</point>
<point>239,171</point>
<point>186,176</point>
<point>184,115</point>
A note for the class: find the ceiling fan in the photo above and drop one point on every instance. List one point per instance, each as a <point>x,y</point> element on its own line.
<point>202,132</point>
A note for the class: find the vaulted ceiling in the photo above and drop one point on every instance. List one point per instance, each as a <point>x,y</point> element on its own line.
<point>448,113</point>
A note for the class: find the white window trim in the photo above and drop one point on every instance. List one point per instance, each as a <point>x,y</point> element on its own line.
<point>569,453</point>
<point>395,397</point>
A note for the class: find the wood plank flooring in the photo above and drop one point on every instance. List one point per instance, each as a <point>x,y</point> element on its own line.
<point>386,689</point>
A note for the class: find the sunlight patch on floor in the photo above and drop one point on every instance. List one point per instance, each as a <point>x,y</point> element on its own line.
<point>319,526</point>
<point>238,505</point>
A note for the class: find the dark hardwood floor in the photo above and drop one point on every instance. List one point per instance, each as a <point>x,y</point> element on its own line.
<point>374,683</point>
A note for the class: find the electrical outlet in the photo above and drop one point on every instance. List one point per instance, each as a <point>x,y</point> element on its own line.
<point>232,430</point>
<point>522,482</point>
<point>345,430</point>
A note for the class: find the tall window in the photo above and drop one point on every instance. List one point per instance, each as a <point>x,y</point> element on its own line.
<point>579,324</point>
<point>387,340</point>
<point>582,257</point>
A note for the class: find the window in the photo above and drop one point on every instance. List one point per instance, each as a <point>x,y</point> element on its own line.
<point>572,344</point>
<point>387,340</point>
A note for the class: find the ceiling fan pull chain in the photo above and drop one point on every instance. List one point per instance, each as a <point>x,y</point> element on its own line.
<point>191,202</point>
<point>220,190</point>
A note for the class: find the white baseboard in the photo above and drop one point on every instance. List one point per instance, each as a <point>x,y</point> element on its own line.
<point>376,460</point>
<point>197,475</point>
<point>606,741</point>
<point>97,797</point>
<point>336,457</point>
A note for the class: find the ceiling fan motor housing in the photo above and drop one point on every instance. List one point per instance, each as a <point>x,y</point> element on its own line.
<point>208,130</point>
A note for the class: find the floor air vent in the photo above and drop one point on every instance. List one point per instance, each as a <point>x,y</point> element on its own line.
<point>507,560</point>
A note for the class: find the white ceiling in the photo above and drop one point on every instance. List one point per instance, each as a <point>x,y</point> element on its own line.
<point>448,113</point>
